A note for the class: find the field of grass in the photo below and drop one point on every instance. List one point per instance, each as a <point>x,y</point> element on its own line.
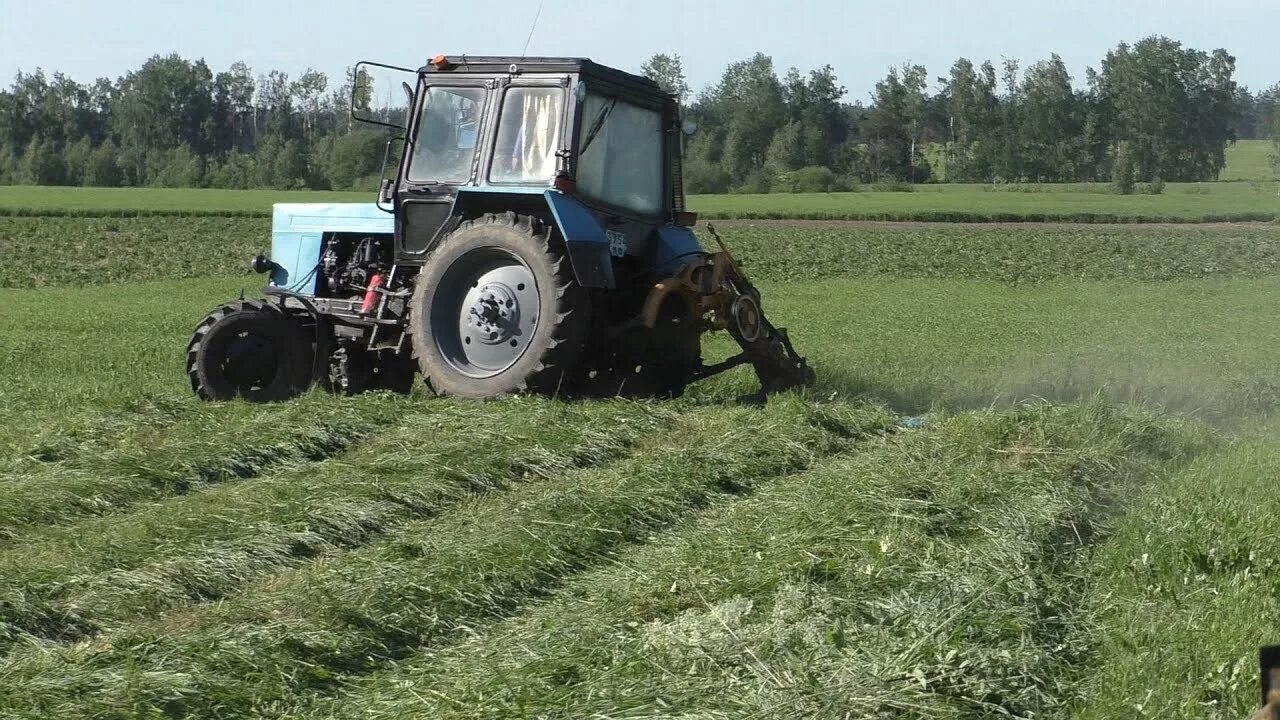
<point>1080,528</point>
<point>33,201</point>
<point>1180,203</point>
<point>1190,203</point>
<point>1251,160</point>
<point>112,250</point>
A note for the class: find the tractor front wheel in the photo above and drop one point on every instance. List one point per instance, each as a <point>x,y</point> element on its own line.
<point>496,310</point>
<point>249,349</point>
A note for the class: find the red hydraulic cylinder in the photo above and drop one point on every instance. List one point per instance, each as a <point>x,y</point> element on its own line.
<point>371,294</point>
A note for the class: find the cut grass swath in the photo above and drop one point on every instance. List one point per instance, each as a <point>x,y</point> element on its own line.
<point>209,445</point>
<point>935,573</point>
<point>99,575</point>
<point>427,581</point>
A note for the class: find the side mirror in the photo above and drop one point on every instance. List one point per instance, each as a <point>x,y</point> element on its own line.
<point>373,94</point>
<point>690,127</point>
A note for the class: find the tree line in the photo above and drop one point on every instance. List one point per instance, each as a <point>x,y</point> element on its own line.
<point>1153,111</point>
<point>175,123</point>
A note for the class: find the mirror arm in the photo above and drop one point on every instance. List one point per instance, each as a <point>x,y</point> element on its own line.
<point>387,188</point>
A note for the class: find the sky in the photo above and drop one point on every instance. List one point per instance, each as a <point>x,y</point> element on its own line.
<point>87,39</point>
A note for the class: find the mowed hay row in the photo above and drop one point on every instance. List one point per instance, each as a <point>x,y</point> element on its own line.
<point>210,444</point>
<point>790,252</point>
<point>66,583</point>
<point>428,581</point>
<point>1187,590</point>
<point>935,573</point>
<point>69,439</point>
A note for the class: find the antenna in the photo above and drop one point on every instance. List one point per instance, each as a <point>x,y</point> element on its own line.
<point>531,29</point>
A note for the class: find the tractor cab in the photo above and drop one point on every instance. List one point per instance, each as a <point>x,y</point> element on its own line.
<point>591,145</point>
<point>533,237</point>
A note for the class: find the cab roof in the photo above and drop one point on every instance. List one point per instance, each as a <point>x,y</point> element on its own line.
<point>501,65</point>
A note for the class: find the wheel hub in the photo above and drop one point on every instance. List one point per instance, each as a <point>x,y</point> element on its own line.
<point>494,314</point>
<point>250,361</point>
<point>485,312</point>
<point>747,316</point>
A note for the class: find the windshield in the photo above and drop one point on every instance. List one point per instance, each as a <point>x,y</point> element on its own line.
<point>445,145</point>
<point>528,135</point>
<point>620,154</point>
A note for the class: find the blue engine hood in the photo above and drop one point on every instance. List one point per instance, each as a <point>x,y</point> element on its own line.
<point>297,230</point>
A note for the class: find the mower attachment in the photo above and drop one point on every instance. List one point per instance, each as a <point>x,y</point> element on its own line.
<point>716,285</point>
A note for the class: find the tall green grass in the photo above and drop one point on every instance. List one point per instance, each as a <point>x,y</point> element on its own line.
<point>1185,591</point>
<point>41,252</point>
<point>1195,203</point>
<point>30,201</point>
<point>1015,255</point>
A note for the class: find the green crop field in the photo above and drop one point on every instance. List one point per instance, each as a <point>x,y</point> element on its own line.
<point>1257,200</point>
<point>1080,528</point>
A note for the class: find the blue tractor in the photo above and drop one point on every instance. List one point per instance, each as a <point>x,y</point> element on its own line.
<point>534,239</point>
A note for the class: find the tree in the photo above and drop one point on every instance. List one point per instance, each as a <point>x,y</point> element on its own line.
<point>813,104</point>
<point>1275,139</point>
<point>973,120</point>
<point>1051,123</point>
<point>1265,106</point>
<point>894,125</point>
<point>748,107</point>
<point>233,99</point>
<point>275,104</point>
<point>668,72</point>
<point>166,104</point>
<point>42,164</point>
<point>787,151</point>
<point>1122,169</point>
<point>353,157</point>
<point>309,91</point>
<point>1176,107</point>
<point>76,159</point>
<point>102,169</point>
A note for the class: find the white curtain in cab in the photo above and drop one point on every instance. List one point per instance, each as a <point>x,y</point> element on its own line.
<point>539,134</point>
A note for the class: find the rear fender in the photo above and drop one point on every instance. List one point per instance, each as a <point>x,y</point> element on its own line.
<point>585,241</point>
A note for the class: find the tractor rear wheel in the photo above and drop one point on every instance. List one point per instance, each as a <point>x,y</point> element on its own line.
<point>496,310</point>
<point>249,349</point>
